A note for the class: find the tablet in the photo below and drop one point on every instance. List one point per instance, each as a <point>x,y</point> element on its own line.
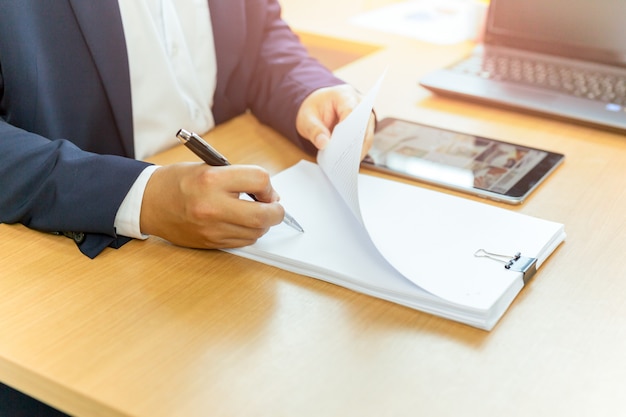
<point>481,166</point>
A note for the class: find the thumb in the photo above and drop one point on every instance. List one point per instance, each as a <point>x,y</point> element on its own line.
<point>321,140</point>
<point>317,133</point>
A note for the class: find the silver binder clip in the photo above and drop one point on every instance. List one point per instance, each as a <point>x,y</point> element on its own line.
<point>527,266</point>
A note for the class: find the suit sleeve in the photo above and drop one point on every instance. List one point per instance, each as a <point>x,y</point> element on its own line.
<point>53,186</point>
<point>286,75</point>
<point>273,74</point>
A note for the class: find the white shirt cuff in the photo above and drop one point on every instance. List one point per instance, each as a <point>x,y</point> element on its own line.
<point>127,219</point>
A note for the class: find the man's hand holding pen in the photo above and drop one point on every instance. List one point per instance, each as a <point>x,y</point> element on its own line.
<point>198,205</point>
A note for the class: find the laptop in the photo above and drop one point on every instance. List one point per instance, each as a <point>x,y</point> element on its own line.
<point>563,58</point>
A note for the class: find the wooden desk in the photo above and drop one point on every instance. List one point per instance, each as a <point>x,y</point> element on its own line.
<point>155,330</point>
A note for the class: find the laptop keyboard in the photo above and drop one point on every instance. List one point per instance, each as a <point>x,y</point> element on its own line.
<point>594,85</point>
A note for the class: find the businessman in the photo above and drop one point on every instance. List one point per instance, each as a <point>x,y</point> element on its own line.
<point>90,89</point>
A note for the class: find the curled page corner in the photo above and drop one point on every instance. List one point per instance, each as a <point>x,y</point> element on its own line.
<point>341,158</point>
<point>399,237</point>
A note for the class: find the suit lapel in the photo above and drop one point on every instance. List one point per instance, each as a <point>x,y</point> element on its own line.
<point>101,24</point>
<point>228,21</point>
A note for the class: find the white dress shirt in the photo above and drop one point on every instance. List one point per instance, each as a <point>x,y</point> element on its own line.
<point>171,56</point>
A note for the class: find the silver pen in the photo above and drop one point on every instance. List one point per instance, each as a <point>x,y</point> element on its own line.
<point>212,157</point>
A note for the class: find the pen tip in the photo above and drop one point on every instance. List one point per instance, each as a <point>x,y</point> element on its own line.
<point>288,219</point>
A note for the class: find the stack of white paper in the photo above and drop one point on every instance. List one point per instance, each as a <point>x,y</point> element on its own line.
<point>396,241</point>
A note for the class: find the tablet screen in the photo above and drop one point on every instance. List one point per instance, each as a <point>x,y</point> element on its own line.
<point>465,162</point>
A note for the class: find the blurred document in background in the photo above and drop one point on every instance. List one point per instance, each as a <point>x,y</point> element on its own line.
<point>434,21</point>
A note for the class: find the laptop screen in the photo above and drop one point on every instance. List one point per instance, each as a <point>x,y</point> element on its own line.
<point>587,29</point>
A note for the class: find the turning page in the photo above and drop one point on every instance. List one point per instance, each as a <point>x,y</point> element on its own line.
<point>398,241</point>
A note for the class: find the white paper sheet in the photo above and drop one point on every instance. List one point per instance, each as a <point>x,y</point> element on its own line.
<point>398,241</point>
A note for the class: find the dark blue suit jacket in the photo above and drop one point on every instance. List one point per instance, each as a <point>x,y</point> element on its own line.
<point>66,135</point>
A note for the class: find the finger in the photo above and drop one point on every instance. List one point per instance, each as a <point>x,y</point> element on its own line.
<point>322,110</point>
<point>346,104</point>
<point>259,216</point>
<point>221,188</point>
<point>229,235</point>
<point>246,219</point>
<point>326,116</point>
<point>319,134</point>
<point>249,179</point>
<point>311,123</point>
